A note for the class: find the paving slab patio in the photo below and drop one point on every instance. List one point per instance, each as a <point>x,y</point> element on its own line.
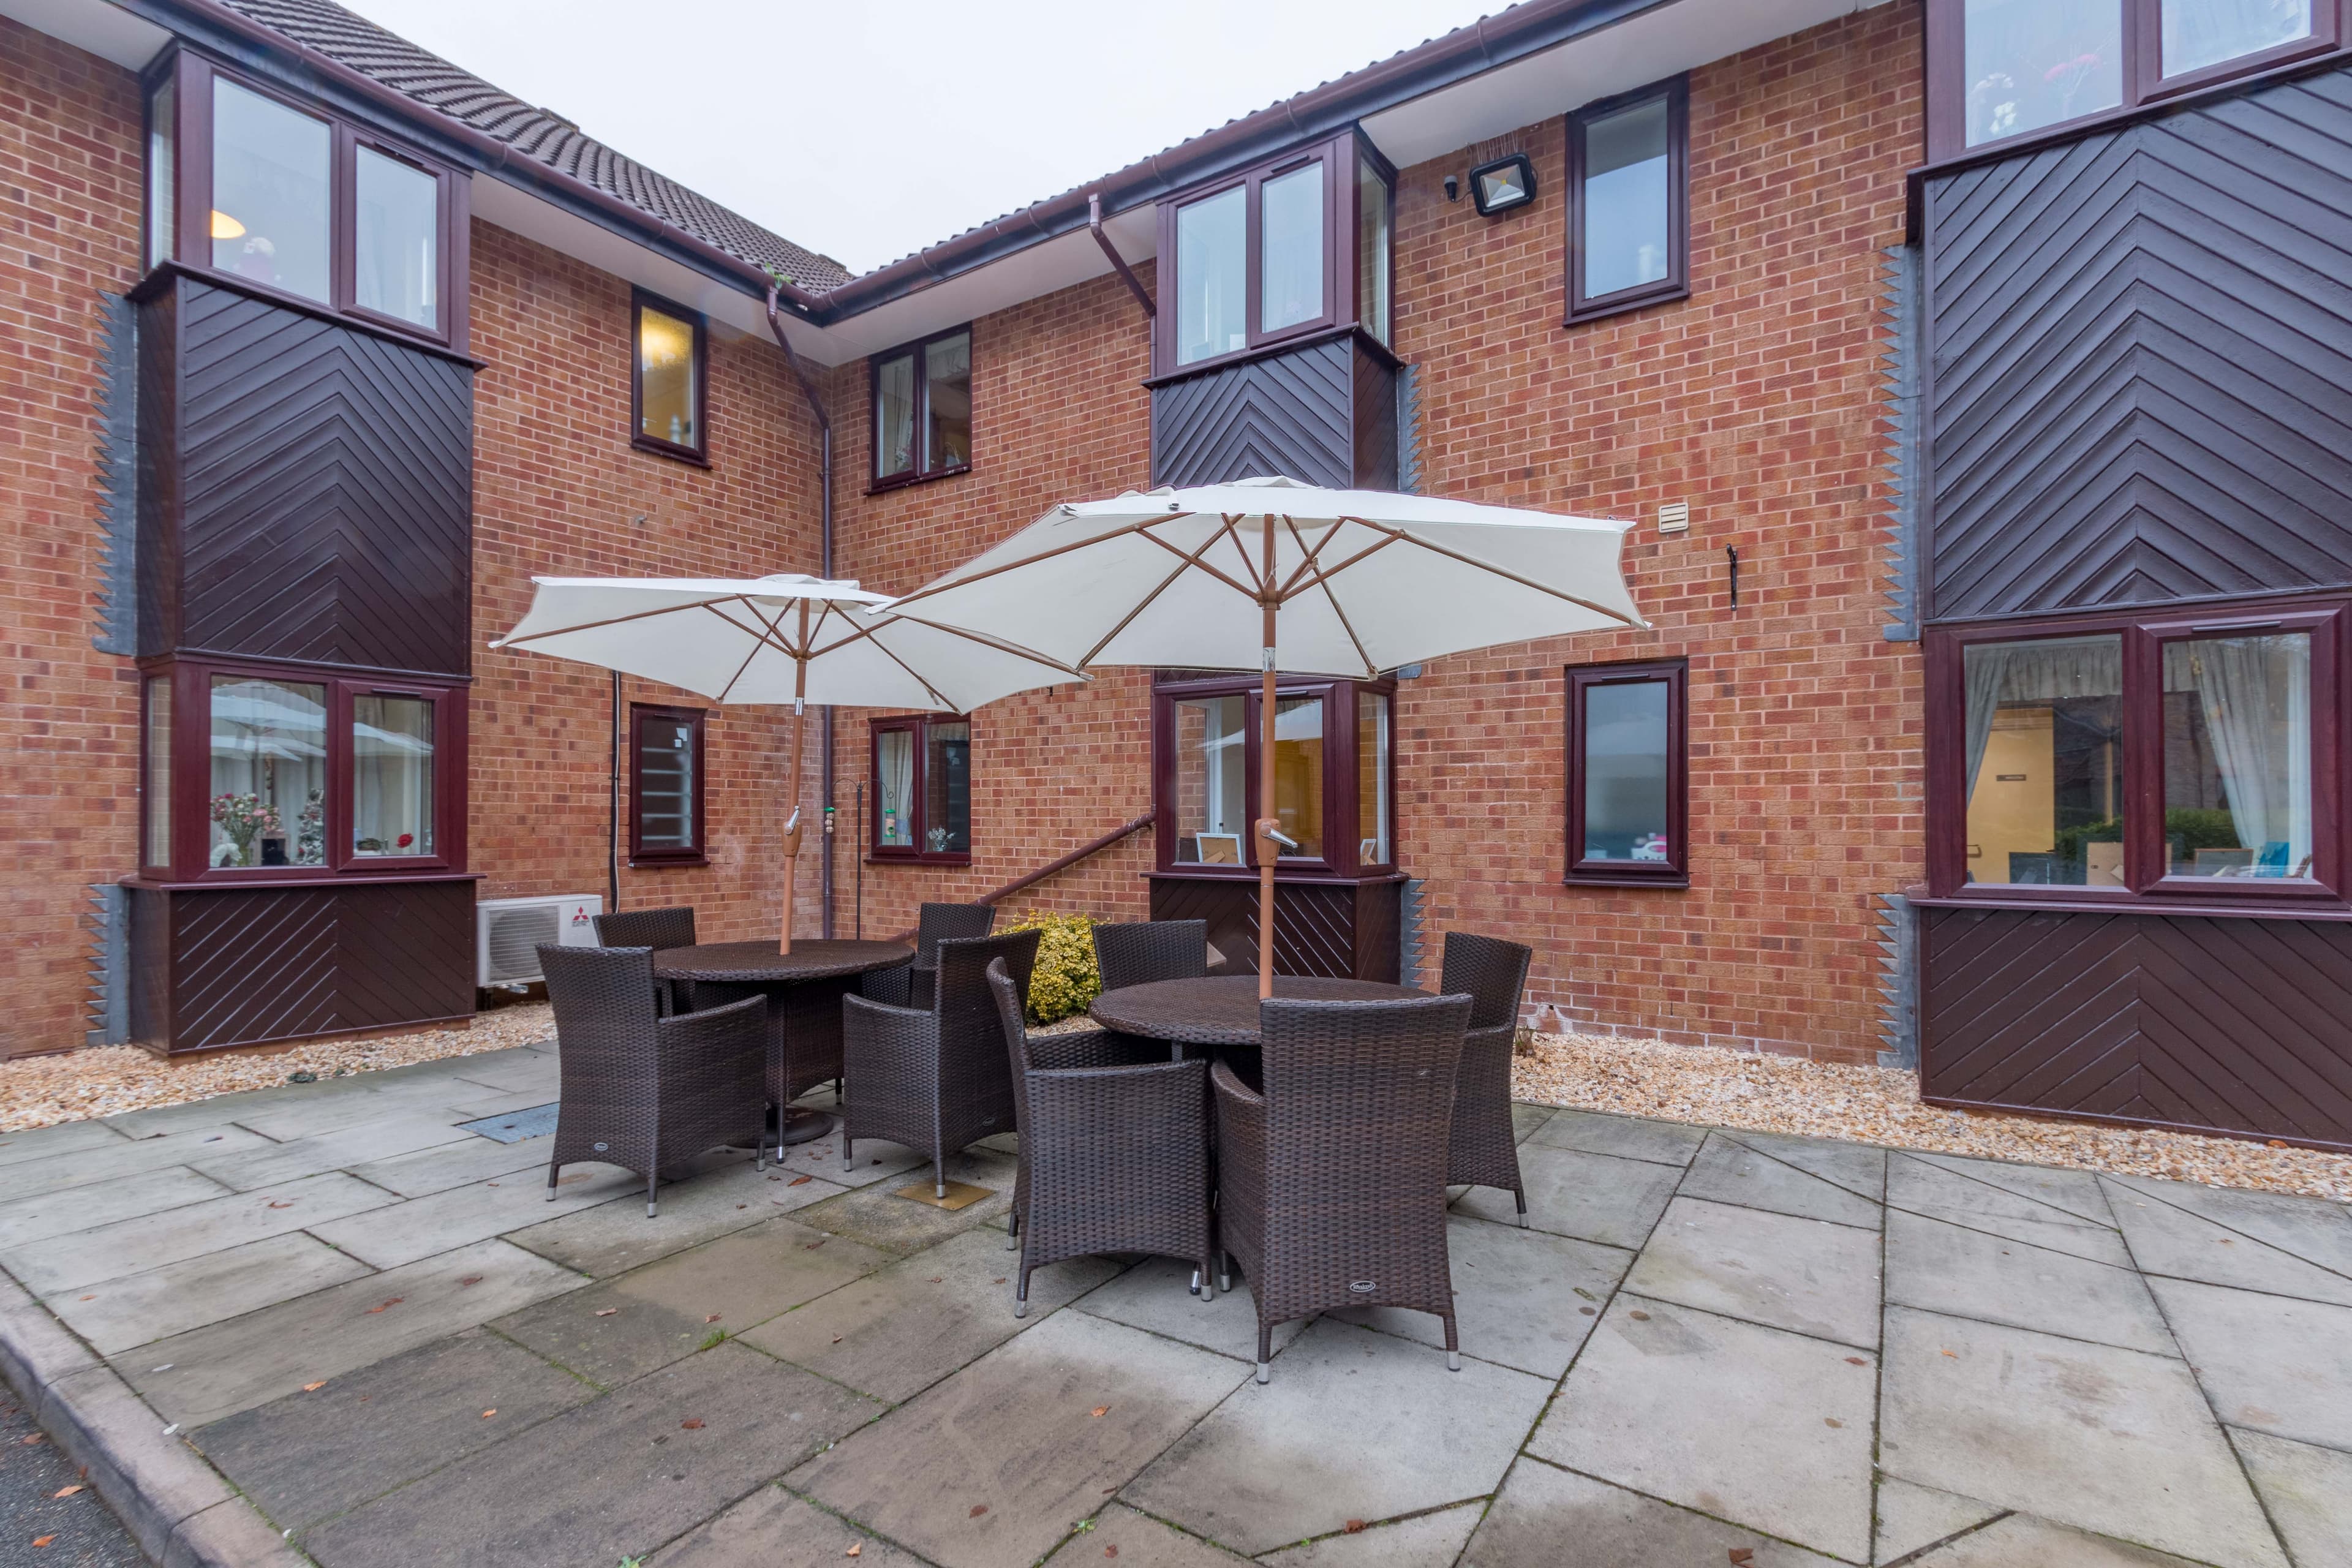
<point>1651,1374</point>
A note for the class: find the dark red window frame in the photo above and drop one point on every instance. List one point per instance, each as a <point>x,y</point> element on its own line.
<point>918,791</point>
<point>641,853</point>
<point>1675,284</point>
<point>876,480</point>
<point>1673,871</point>
<point>191,782</point>
<point>1342,829</point>
<point>191,246</point>
<point>2144,635</point>
<point>696,452</point>
<point>2145,85</point>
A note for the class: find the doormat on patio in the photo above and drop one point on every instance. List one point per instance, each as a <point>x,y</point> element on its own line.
<point>960,1194</point>
<point>533,1122</point>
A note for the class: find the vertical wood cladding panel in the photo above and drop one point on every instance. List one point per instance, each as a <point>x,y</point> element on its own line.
<point>2141,351</point>
<point>1324,413</point>
<point>324,489</point>
<point>158,438</point>
<point>2231,1024</point>
<point>1338,930</point>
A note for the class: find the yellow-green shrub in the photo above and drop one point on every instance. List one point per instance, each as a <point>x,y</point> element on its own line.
<point>1066,979</point>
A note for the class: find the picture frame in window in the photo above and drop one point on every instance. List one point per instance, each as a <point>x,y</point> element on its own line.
<point>1657,853</point>
<point>651,724</point>
<point>668,316</point>
<point>1673,283</point>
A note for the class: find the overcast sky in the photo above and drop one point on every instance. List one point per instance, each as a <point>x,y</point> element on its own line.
<point>870,130</point>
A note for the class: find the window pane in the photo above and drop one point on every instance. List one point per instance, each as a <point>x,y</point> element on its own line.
<point>894,417</point>
<point>2207,31</point>
<point>159,771</point>
<point>665,803</point>
<point>2237,756</point>
<point>1290,262</point>
<point>1372,778</point>
<point>2031,63</point>
<point>1211,803</point>
<point>1210,277</point>
<point>269,772</point>
<point>1626,224</point>
<point>1372,251</point>
<point>391,775</point>
<point>163,166</point>
<point>894,790</point>
<point>396,271</point>
<point>1299,774</point>
<point>269,192</point>
<point>2044,761</point>
<point>946,789</point>
<point>1625,763</point>
<point>947,404</point>
<point>666,389</point>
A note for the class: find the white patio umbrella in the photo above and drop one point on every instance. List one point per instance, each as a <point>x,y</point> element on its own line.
<point>788,638</point>
<point>1357,581</point>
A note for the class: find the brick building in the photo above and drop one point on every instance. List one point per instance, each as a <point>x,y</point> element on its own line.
<point>1798,290</point>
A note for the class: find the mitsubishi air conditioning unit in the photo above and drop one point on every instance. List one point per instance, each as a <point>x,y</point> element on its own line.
<point>507,933</point>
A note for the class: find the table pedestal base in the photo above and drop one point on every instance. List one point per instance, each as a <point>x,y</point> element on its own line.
<point>801,1125</point>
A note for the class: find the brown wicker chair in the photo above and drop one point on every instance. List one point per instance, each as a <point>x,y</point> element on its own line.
<point>908,984</point>
<point>1332,1183</point>
<point>1144,951</point>
<point>1114,1149</point>
<point>642,1091</point>
<point>934,1079</point>
<point>655,928</point>
<point>1484,1151</point>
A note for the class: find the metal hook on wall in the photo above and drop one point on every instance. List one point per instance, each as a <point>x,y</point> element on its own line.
<point>1733,552</point>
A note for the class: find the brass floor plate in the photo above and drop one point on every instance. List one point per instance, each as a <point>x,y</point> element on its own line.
<point>960,1194</point>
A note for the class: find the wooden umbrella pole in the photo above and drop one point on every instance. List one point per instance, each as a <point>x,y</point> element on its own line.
<point>1268,822</point>
<point>792,779</point>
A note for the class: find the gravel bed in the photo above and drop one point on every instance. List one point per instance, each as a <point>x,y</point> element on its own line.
<point>74,1086</point>
<point>1881,1105</point>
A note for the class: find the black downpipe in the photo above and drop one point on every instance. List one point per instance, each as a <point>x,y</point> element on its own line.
<point>824,569</point>
<point>612,816</point>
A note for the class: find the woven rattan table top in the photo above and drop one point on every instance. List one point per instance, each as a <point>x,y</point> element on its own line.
<point>758,963</point>
<point>1222,1010</point>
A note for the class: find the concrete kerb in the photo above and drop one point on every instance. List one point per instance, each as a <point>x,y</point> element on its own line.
<point>180,1509</point>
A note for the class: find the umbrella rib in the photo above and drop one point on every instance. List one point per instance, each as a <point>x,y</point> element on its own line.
<point>1232,531</point>
<point>757,644</point>
<point>1507,576</point>
<point>983,638</point>
<point>932,589</point>
<point>1308,562</point>
<point>1183,562</point>
<point>1194,559</point>
<point>1371,670</point>
<point>937,696</point>
<point>614,621</point>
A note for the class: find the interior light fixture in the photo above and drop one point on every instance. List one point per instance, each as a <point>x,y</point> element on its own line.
<point>226,226</point>
<point>1503,184</point>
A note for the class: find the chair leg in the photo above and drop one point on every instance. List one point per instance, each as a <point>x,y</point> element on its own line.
<point>653,1182</point>
<point>938,1177</point>
<point>848,1161</point>
<point>1522,1198</point>
<point>551,1168</point>
<point>1225,1271</point>
<point>1264,1351</point>
<point>1453,1345</point>
<point>1206,1276</point>
<point>1013,1230</point>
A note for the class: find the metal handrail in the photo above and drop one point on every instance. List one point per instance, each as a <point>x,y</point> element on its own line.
<point>1092,847</point>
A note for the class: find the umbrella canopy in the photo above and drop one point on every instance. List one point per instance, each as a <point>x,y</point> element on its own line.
<point>1274,574</point>
<point>788,638</point>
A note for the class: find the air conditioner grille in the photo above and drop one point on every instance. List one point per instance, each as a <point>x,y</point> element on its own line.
<point>514,938</point>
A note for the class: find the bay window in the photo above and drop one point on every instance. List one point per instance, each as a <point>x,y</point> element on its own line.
<point>921,793</point>
<point>2157,756</point>
<point>1300,244</point>
<point>921,399</point>
<point>1334,774</point>
<point>1629,201</point>
<point>2004,69</point>
<point>1629,774</point>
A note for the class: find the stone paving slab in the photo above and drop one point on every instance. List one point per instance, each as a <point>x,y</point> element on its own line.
<point>2111,1441</point>
<point>1015,1433</point>
<point>732,1194</point>
<point>1727,1170</point>
<point>1522,1298</point>
<point>512,1071</point>
<point>1592,1198</point>
<point>2072,1193</point>
<point>1156,1295</point>
<point>301,1117</point>
<point>1264,1471</point>
<point>1627,1137</point>
<point>460,1164</point>
<point>2319,1234</point>
<point>1781,1270</point>
<point>1946,1267</point>
<point>2180,1242</point>
<point>1923,1187</point>
<point>102,1203</point>
<point>2308,1491</point>
<point>308,1456</point>
<point>774,1529</point>
<point>2271,1364</point>
<point>875,1214</point>
<point>1913,1518</point>
<point>1762,1427</point>
<point>1139,1541</point>
<point>619,1476</point>
<point>106,1162</point>
<point>2021,1542</point>
<point>82,1258</point>
<point>393,1234</point>
<point>1541,1509</point>
<point>1857,1168</point>
<point>118,1314</point>
<point>1425,1541</point>
<point>209,1373</point>
<point>400,1134</point>
<point>898,1331</point>
<point>63,1137</point>
<point>877,1160</point>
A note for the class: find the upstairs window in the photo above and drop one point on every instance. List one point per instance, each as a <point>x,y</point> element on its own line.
<point>922,789</point>
<point>272,208</point>
<point>1629,202</point>
<point>922,409</point>
<point>666,382</point>
<point>1298,244</point>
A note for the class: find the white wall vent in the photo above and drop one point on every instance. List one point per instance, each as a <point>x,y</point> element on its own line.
<point>507,932</point>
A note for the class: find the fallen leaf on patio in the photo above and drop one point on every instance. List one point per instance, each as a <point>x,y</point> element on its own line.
<point>1586,1294</point>
<point>314,1387</point>
<point>1831,1421</point>
<point>796,1181</point>
<point>934,1278</point>
<point>813,1246</point>
<point>1111,1550</point>
<point>1856,1361</point>
<point>494,1184</point>
<point>855,1548</point>
<point>487,1413</point>
<point>998,1280</point>
<point>1354,1527</point>
<point>382,1305</point>
<point>606,1312</point>
<point>471,1279</point>
<point>1586,1310</point>
<point>742,1205</point>
<point>33,1438</point>
<point>281,1205</point>
<point>1639,1317</point>
<point>565,1181</point>
<point>65,1491</point>
<point>837,1338</point>
<point>1101,1411</point>
<point>1743,1554</point>
<point>692,1424</point>
<point>977,1509</point>
<point>712,1318</point>
<point>43,1539</point>
<point>1954,1355</point>
<point>89,1298</point>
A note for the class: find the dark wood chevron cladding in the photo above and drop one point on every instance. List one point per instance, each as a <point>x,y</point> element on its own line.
<point>2231,1025</point>
<point>2141,352</point>
<point>1324,413</point>
<point>1346,931</point>
<point>320,479</point>
<point>241,966</point>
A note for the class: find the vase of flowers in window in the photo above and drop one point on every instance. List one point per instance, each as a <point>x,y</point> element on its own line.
<point>244,817</point>
<point>310,831</point>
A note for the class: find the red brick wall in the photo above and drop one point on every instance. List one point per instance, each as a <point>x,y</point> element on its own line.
<point>558,491</point>
<point>70,200</point>
<point>1755,401</point>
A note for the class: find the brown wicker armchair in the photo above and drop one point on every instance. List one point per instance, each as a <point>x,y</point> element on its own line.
<point>908,984</point>
<point>1141,951</point>
<point>1114,1146</point>
<point>655,928</point>
<point>1332,1183</point>
<point>642,1091</point>
<point>1484,1151</point>
<point>935,1080</point>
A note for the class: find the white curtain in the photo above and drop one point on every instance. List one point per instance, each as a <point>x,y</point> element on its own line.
<point>897,786</point>
<point>2045,671</point>
<point>2256,696</point>
<point>2206,32</point>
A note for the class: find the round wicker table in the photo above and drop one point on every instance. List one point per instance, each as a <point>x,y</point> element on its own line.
<point>1222,1009</point>
<point>804,988</point>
